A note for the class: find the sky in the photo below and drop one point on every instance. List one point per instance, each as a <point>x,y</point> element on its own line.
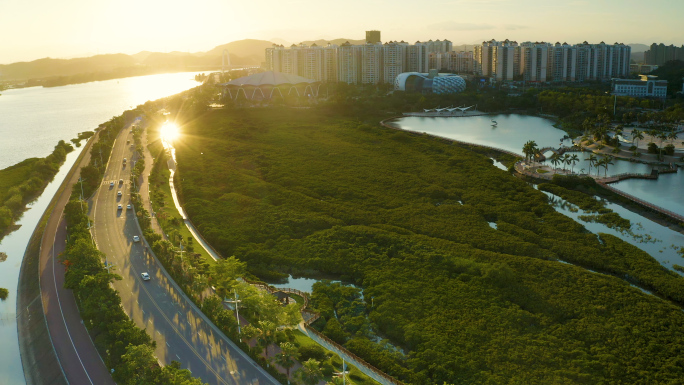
<point>33,29</point>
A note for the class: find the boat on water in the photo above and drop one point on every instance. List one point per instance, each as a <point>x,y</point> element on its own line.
<point>494,123</point>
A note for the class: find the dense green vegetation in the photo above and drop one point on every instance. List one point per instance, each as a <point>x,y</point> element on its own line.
<point>23,182</point>
<point>406,217</point>
<point>673,72</point>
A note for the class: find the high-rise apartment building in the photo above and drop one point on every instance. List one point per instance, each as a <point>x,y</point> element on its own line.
<point>349,58</point>
<point>373,37</point>
<point>499,60</point>
<point>370,63</point>
<point>417,58</point>
<point>312,62</point>
<point>544,62</point>
<point>660,54</point>
<point>394,60</point>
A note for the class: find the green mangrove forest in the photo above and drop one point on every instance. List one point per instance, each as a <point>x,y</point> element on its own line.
<point>447,298</point>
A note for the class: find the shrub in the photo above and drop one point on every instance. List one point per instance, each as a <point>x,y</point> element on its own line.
<point>311,351</point>
<point>652,148</point>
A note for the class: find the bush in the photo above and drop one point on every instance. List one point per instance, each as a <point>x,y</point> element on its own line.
<point>669,149</point>
<point>652,148</point>
<point>3,293</point>
<point>311,351</point>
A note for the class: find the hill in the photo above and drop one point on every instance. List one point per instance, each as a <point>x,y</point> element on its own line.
<point>242,52</point>
<point>65,67</point>
<point>636,47</point>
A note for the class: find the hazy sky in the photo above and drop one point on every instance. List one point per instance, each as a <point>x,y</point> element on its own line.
<point>32,29</point>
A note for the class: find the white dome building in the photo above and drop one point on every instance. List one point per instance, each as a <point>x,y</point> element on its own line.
<point>433,82</point>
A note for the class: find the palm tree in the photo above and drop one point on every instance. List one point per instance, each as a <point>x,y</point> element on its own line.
<point>310,373</point>
<point>574,159</point>
<point>592,161</point>
<point>566,160</point>
<point>638,135</point>
<point>608,160</point>
<point>529,149</point>
<point>287,356</point>
<point>555,159</point>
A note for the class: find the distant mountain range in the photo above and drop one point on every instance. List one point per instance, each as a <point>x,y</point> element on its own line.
<point>242,52</point>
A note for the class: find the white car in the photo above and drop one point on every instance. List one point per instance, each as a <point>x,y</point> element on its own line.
<point>119,207</point>
<point>136,238</point>
<point>119,193</point>
<point>128,206</point>
<point>145,276</point>
<point>111,184</point>
<point>124,161</point>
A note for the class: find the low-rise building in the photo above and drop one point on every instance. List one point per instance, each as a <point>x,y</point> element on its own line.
<point>648,86</point>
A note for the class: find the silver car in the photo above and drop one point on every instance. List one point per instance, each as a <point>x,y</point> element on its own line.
<point>145,276</point>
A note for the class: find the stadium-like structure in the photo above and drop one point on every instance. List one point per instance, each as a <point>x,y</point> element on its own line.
<point>264,85</point>
<point>432,82</point>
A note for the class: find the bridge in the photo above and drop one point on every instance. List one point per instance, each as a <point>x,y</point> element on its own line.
<point>560,151</point>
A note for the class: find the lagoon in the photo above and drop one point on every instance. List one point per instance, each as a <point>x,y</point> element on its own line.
<point>511,133</point>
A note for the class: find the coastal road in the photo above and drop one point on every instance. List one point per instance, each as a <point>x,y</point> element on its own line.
<point>181,332</point>
<point>80,361</point>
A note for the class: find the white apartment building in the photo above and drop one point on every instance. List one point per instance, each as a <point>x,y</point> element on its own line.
<point>394,56</point>
<point>499,60</point>
<point>648,86</point>
<point>417,57</point>
<point>349,63</point>
<point>371,63</point>
<point>544,62</point>
<point>314,62</point>
<point>536,61</point>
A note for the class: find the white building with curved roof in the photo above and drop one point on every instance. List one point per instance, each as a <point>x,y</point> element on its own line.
<point>429,83</point>
<point>264,85</point>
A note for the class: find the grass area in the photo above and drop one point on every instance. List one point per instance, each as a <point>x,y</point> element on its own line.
<point>15,175</point>
<point>542,171</point>
<point>355,376</point>
<point>168,216</point>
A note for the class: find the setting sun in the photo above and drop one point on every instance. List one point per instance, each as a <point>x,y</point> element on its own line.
<point>169,132</point>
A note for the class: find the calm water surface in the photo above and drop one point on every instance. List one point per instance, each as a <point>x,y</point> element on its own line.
<point>512,131</point>
<point>32,121</point>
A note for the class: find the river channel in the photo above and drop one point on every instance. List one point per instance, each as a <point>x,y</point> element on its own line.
<point>32,121</point>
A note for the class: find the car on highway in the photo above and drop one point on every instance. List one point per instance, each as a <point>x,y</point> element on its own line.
<point>124,161</point>
<point>128,206</point>
<point>145,276</point>
<point>119,207</point>
<point>119,193</point>
<point>120,181</point>
<point>136,238</point>
<point>111,184</point>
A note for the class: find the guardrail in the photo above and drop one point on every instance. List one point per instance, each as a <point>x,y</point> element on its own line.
<point>359,360</point>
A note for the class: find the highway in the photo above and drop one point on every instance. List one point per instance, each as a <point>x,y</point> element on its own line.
<point>181,332</point>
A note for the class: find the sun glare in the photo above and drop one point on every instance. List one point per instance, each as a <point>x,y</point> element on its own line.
<point>169,132</point>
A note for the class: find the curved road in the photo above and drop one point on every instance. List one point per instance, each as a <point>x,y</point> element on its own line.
<point>182,333</point>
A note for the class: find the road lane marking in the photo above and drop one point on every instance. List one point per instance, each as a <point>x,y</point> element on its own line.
<point>59,304</point>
